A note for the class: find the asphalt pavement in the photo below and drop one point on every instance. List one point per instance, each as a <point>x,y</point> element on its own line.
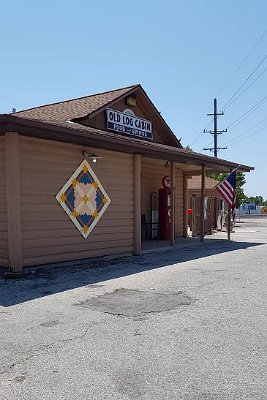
<point>188,323</point>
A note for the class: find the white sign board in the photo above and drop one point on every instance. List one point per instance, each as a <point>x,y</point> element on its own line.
<point>129,124</point>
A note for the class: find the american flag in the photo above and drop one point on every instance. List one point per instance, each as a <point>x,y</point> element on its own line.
<point>227,189</point>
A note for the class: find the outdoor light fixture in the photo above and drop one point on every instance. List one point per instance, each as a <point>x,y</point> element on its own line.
<point>131,100</point>
<point>167,164</point>
<point>94,157</point>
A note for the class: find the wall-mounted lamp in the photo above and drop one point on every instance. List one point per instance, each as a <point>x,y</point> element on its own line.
<point>131,100</point>
<point>94,157</point>
<point>167,164</point>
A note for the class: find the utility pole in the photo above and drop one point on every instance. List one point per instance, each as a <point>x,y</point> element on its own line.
<point>215,132</point>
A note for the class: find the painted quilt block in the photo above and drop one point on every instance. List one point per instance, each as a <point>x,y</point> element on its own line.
<point>84,199</point>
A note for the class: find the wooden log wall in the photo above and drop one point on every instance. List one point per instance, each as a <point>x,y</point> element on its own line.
<point>48,235</point>
<point>179,203</point>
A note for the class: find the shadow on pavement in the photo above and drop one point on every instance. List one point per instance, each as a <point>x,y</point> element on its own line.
<point>44,281</point>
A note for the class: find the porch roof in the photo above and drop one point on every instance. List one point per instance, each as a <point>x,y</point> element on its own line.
<point>71,132</point>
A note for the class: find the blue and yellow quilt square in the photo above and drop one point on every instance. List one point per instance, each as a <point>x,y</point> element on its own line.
<point>84,199</point>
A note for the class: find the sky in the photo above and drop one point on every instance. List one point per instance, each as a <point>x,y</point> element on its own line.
<point>183,53</point>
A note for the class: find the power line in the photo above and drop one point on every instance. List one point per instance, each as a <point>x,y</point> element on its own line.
<point>226,84</point>
<point>201,133</point>
<point>247,113</point>
<point>238,121</point>
<point>199,119</point>
<point>250,75</point>
<point>240,94</point>
<point>243,133</point>
<point>246,137</point>
<point>243,62</point>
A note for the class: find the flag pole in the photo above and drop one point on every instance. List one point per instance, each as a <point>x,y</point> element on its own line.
<point>229,222</point>
<point>227,189</point>
<point>230,213</point>
<point>235,169</point>
<point>229,174</point>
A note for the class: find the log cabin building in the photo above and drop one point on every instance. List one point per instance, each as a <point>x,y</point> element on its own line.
<point>57,204</point>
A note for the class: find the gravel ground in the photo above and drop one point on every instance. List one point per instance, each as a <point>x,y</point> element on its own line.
<point>180,324</point>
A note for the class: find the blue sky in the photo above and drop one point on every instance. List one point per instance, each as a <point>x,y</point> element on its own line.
<point>183,53</point>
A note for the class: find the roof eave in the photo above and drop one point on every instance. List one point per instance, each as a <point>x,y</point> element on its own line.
<point>103,139</point>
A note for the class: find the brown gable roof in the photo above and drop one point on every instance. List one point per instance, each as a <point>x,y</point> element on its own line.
<point>75,108</point>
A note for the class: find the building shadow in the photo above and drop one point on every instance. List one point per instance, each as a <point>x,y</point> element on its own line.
<point>48,280</point>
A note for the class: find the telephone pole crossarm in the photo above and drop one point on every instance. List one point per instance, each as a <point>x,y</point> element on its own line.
<point>222,113</point>
<point>215,131</point>
<point>218,148</point>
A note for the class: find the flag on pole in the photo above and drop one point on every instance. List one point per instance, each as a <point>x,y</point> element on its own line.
<point>227,189</point>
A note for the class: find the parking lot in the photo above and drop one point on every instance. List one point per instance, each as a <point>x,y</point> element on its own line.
<point>186,323</point>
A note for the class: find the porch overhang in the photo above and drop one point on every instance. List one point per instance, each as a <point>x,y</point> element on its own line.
<point>69,132</point>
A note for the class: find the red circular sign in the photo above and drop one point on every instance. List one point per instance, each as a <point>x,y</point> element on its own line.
<point>166,181</point>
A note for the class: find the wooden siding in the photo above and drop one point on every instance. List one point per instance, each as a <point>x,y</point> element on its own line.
<point>3,205</point>
<point>152,172</point>
<point>179,203</point>
<point>99,120</point>
<point>214,193</point>
<point>48,235</point>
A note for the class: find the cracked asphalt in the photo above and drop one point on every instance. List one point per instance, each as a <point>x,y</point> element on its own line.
<point>188,323</point>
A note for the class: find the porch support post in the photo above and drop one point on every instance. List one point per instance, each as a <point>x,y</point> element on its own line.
<point>137,203</point>
<point>194,231</point>
<point>185,196</point>
<point>13,201</point>
<point>202,204</point>
<point>229,222</point>
<point>172,239</point>
<point>229,219</point>
<point>215,212</point>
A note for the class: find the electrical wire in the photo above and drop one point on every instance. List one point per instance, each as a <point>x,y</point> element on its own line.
<point>244,116</point>
<point>226,84</point>
<point>247,114</point>
<point>246,137</point>
<point>243,62</point>
<point>246,80</point>
<point>200,134</point>
<point>243,133</point>
<point>240,94</point>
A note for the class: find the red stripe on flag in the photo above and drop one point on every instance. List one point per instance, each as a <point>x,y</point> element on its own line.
<point>228,193</point>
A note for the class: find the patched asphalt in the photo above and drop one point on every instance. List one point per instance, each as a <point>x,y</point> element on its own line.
<point>180,324</point>
<point>135,303</point>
